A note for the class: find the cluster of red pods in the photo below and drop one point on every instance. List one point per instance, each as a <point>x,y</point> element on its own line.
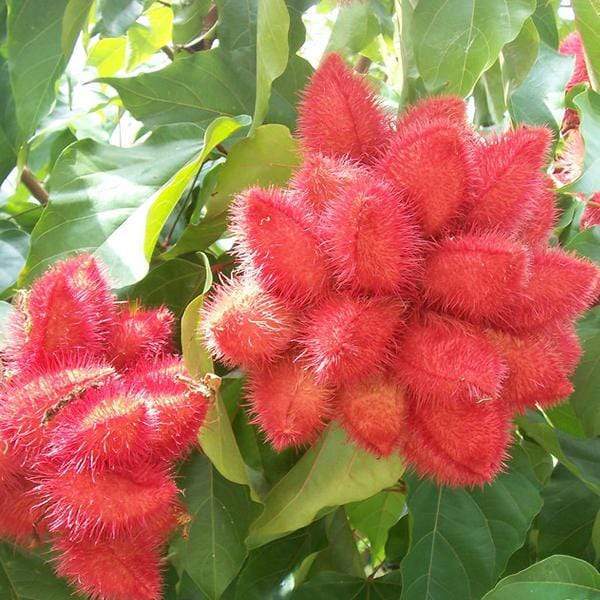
<point>95,409</point>
<point>403,285</point>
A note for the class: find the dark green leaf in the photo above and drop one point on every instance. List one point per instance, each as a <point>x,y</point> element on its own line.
<point>198,237</point>
<point>588,104</point>
<point>398,541</point>
<point>355,28</point>
<point>520,55</point>
<point>9,130</point>
<point>116,16</point>
<point>462,539</point>
<point>327,585</point>
<point>457,40</point>
<point>540,459</point>
<point>76,15</point>
<point>26,576</point>
<point>14,245</point>
<point>539,99</point>
<point>188,19</point>
<point>213,551</point>
<point>587,21</point>
<point>331,473</point>
<point>544,18</point>
<point>587,243</point>
<point>566,520</point>
<point>556,578</point>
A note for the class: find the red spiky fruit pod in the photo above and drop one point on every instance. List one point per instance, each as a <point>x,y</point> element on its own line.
<point>140,335</point>
<point>109,504</point>
<point>106,428</point>
<point>561,287</point>
<point>537,228</point>
<point>69,308</point>
<point>339,115</point>
<point>19,516</point>
<point>321,178</point>
<point>476,276</point>
<point>275,236</point>
<point>246,326</point>
<point>444,361</point>
<point>34,397</point>
<point>535,373</point>
<point>567,346</point>
<point>572,45</point>
<point>509,179</point>
<point>457,444</point>
<point>449,107</point>
<point>176,407</point>
<point>373,413</point>
<point>430,161</point>
<point>118,569</point>
<point>289,404</point>
<point>346,338</point>
<point>371,239</point>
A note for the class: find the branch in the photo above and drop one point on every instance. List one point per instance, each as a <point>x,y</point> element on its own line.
<point>38,191</point>
<point>362,64</point>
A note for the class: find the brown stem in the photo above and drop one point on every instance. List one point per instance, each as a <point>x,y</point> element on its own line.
<point>30,181</point>
<point>362,64</point>
<point>208,30</point>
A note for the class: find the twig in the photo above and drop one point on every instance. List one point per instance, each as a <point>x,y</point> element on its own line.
<point>362,64</point>
<point>30,181</point>
<point>168,51</point>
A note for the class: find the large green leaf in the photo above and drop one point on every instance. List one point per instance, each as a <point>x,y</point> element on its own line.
<point>520,55</point>
<point>331,473</point>
<point>375,516</point>
<point>462,539</point>
<point>457,40</point>
<point>355,28</point>
<point>116,16</point>
<point>544,18</point>
<point>273,23</point>
<point>539,100</point>
<point>27,577</point>
<point>327,585</point>
<point>14,245</point>
<point>114,201</point>
<point>587,21</point>
<point>213,551</point>
<point>188,19</point>
<point>586,380</point>
<point>589,107</point>
<point>555,578</point>
<point>9,130</point>
<point>566,520</point>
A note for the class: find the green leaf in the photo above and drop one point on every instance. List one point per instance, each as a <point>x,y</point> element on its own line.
<point>198,237</point>
<point>539,100</point>
<point>25,576</point>
<point>113,201</point>
<point>374,517</point>
<point>14,245</point>
<point>544,18</point>
<point>457,40</point>
<point>586,380</point>
<point>146,39</point>
<point>332,472</point>
<point>7,312</point>
<point>267,567</point>
<point>197,359</point>
<point>213,552</point>
<point>555,578</point>
<point>173,283</point>
<point>327,585</point>
<point>493,85</point>
<point>75,17</point>
<point>116,16</point>
<point>273,23</point>
<point>587,243</point>
<point>587,21</point>
<point>266,158</point>
<point>354,29</point>
<point>588,104</point>
<point>566,520</point>
<point>108,55</point>
<point>461,539</point>
<point>9,130</point>
<point>520,55</point>
<point>188,19</point>
<point>35,58</point>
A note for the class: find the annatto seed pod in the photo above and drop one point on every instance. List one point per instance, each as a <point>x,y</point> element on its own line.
<point>106,428</point>
<point>444,361</point>
<point>118,569</point>
<point>347,338</point>
<point>109,504</point>
<point>19,516</point>
<point>373,412</point>
<point>339,115</point>
<point>509,179</point>
<point>289,404</point>
<point>321,178</point>
<point>430,161</point>
<point>246,326</point>
<point>536,374</point>
<point>34,397</point>
<point>140,335</point>
<point>371,239</point>
<point>458,444</point>
<point>476,276</point>
<point>566,344</point>
<point>275,235</point>
<point>537,228</point>
<point>452,108</point>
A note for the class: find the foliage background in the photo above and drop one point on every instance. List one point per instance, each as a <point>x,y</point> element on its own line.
<point>126,126</point>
